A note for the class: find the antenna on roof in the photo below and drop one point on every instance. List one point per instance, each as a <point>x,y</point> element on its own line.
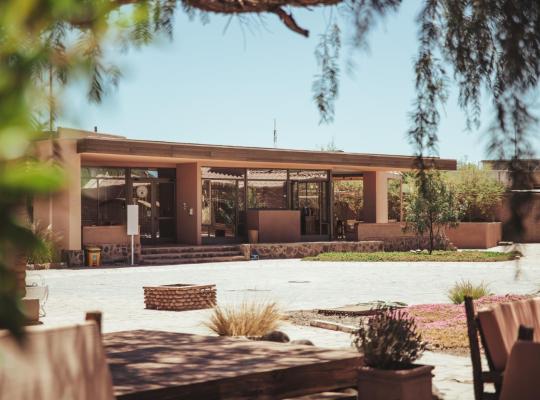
<point>275,134</point>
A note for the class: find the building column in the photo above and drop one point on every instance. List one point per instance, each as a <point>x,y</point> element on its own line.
<point>62,210</point>
<point>375,197</point>
<point>188,199</point>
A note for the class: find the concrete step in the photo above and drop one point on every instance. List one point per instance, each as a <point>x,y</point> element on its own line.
<point>183,255</point>
<point>187,249</point>
<point>176,261</point>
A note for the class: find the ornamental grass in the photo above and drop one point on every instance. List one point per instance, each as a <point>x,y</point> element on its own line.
<point>460,290</point>
<point>252,319</point>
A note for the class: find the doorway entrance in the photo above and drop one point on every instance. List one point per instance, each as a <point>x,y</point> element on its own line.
<point>157,216</point>
<point>311,198</point>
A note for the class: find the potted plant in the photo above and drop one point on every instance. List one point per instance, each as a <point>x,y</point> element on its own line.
<point>391,344</point>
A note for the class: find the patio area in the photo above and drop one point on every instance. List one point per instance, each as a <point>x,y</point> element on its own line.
<point>295,284</point>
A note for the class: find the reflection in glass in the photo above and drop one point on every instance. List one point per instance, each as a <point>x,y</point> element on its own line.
<point>103,199</point>
<point>222,173</point>
<point>267,194</point>
<point>267,174</point>
<point>219,208</point>
<point>307,175</point>
<point>311,198</point>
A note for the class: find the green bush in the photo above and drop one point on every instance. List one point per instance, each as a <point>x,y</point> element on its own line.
<point>464,288</point>
<point>47,250</point>
<point>389,340</point>
<point>478,192</point>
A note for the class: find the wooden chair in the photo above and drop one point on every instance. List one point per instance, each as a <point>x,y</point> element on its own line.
<point>522,372</point>
<point>66,362</point>
<point>496,370</point>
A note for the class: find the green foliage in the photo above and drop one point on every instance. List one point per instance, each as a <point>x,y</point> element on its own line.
<point>464,288</point>
<point>478,192</point>
<point>389,340</point>
<point>431,207</point>
<point>45,44</point>
<point>413,256</point>
<point>394,199</point>
<point>48,250</point>
<point>325,86</point>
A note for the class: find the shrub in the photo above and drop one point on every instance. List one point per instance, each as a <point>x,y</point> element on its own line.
<point>247,319</point>
<point>431,206</point>
<point>389,340</point>
<point>464,288</point>
<point>478,192</point>
<point>47,250</point>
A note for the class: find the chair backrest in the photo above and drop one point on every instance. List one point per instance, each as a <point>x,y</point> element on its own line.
<point>55,364</point>
<point>522,372</point>
<point>500,325</point>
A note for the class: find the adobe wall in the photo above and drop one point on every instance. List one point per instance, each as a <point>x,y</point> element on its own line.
<point>475,235</point>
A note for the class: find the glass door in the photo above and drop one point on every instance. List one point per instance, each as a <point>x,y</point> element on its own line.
<point>311,199</point>
<point>165,216</point>
<point>142,194</point>
<point>220,214</point>
<point>157,218</point>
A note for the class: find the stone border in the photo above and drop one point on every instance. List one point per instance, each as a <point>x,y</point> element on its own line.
<point>308,249</point>
<point>333,326</point>
<point>180,297</point>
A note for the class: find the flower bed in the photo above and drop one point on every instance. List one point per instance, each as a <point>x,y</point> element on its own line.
<point>443,326</point>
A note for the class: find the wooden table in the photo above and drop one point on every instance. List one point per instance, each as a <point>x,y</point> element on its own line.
<point>165,365</point>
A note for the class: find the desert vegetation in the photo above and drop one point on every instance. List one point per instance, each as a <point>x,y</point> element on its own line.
<point>252,319</point>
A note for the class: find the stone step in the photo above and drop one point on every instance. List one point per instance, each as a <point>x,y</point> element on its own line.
<point>191,255</point>
<point>176,261</point>
<point>188,249</point>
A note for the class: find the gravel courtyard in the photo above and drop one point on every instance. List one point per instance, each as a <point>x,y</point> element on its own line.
<point>294,284</point>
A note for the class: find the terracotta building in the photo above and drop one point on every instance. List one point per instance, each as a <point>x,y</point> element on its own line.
<point>194,194</point>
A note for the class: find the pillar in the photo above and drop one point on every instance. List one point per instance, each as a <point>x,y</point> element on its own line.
<point>188,198</point>
<point>375,197</point>
<point>62,210</point>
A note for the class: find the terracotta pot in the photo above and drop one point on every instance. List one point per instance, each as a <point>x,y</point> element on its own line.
<point>405,384</point>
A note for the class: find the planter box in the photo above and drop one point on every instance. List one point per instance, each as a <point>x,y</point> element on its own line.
<point>407,384</point>
<point>475,235</point>
<point>179,297</point>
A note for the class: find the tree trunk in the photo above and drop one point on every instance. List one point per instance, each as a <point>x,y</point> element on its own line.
<point>430,237</point>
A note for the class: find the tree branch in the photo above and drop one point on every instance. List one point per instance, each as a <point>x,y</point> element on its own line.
<point>228,7</point>
<point>289,22</point>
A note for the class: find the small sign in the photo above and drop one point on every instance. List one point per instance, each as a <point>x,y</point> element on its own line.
<point>132,219</point>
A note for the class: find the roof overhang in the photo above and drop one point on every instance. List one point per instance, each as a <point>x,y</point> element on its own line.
<point>141,151</point>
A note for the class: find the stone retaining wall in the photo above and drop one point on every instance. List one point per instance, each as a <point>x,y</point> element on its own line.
<point>179,297</point>
<point>415,243</point>
<point>307,249</point>
<point>110,253</point>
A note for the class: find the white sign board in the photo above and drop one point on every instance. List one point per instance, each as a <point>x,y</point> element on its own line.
<point>132,219</point>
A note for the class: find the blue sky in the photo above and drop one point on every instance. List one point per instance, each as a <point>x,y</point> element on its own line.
<point>211,86</point>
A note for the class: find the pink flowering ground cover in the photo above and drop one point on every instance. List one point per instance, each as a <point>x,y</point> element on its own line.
<point>444,326</point>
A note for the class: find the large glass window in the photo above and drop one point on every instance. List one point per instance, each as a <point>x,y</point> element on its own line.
<point>267,194</point>
<point>227,193</point>
<point>267,188</point>
<point>103,196</point>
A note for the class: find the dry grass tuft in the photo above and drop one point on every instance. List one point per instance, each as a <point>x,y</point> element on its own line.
<point>246,319</point>
<point>464,288</point>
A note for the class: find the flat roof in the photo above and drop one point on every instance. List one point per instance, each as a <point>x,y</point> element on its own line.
<point>124,149</point>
